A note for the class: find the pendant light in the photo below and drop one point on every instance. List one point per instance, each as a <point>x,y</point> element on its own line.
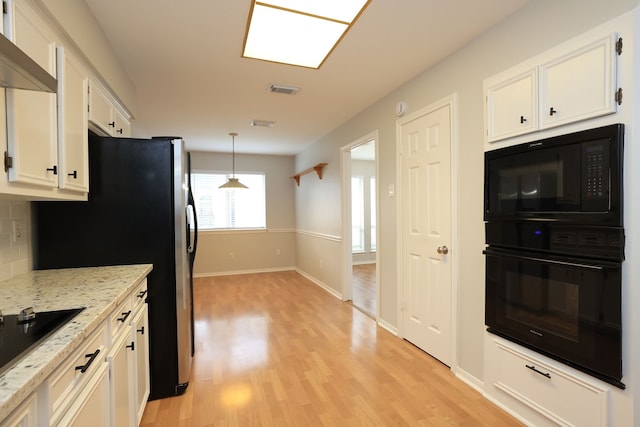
<point>233,182</point>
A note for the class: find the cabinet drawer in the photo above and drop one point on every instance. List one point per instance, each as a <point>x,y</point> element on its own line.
<point>70,378</point>
<point>139,296</point>
<point>563,398</point>
<point>120,317</point>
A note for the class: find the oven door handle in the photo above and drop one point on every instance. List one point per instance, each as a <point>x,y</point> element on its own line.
<point>491,252</point>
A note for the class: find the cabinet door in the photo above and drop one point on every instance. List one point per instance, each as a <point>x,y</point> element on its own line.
<point>25,415</point>
<point>123,127</point>
<point>91,408</point>
<point>579,85</point>
<point>141,330</point>
<point>31,116</point>
<point>512,106</point>
<point>73,148</point>
<point>100,109</point>
<point>121,362</point>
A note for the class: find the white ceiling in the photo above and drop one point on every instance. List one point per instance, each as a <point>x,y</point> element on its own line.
<point>185,61</point>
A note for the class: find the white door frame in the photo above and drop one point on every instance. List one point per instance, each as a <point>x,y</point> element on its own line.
<point>451,102</point>
<point>347,264</point>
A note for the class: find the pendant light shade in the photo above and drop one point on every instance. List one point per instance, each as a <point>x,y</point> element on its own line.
<point>233,182</point>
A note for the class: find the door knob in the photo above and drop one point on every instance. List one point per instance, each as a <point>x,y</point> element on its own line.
<point>443,250</point>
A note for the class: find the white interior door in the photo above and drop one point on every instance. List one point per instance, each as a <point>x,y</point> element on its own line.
<point>426,231</point>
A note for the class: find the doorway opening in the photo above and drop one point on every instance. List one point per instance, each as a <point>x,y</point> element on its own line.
<point>360,239</point>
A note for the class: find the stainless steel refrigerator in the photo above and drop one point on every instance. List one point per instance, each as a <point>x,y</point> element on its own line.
<point>140,210</point>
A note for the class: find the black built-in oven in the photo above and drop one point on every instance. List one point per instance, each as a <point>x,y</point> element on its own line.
<point>555,246</point>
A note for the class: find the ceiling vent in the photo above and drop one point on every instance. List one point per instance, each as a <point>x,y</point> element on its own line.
<point>262,123</point>
<point>287,90</point>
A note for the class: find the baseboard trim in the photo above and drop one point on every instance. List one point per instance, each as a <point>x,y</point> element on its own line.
<point>320,284</point>
<point>236,272</point>
<point>388,326</point>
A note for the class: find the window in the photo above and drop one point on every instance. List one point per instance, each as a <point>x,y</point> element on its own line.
<point>224,209</point>
<point>357,214</point>
<point>372,204</point>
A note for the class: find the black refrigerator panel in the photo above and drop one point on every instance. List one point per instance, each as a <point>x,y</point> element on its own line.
<point>128,219</point>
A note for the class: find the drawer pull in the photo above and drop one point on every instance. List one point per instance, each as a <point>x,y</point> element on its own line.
<point>534,369</point>
<point>140,331</point>
<point>132,346</point>
<point>92,357</point>
<point>124,316</point>
<point>142,294</point>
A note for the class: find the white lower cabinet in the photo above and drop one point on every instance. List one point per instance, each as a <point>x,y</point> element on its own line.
<point>555,393</point>
<point>104,382</point>
<point>141,330</point>
<point>26,415</point>
<point>91,408</point>
<point>72,378</point>
<point>121,372</point>
<point>129,359</point>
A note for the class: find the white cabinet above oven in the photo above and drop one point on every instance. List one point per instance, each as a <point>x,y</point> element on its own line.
<point>571,84</point>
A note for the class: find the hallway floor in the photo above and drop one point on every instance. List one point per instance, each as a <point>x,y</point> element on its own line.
<point>273,349</point>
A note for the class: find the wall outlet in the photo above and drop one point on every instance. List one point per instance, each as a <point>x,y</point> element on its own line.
<point>277,251</point>
<point>231,256</point>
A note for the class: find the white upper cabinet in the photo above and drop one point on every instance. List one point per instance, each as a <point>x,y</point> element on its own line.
<point>73,148</point>
<point>105,118</point>
<point>512,106</point>
<point>32,144</point>
<point>577,84</point>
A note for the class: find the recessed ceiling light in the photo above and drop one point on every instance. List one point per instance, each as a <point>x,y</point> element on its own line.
<point>298,33</point>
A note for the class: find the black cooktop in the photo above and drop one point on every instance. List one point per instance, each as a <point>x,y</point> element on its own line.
<point>18,338</point>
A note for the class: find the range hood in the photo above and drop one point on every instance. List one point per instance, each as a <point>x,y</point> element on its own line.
<point>18,71</point>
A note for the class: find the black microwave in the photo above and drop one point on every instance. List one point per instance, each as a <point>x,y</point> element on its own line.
<point>574,178</point>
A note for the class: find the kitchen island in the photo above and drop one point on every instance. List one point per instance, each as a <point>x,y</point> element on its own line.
<point>100,290</point>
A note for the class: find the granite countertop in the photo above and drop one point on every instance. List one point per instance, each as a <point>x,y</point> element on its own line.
<point>98,289</point>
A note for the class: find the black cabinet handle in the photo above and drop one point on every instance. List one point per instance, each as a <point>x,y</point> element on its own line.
<point>141,294</point>
<point>140,331</point>
<point>522,119</point>
<point>74,174</point>
<point>124,316</point>
<point>534,369</point>
<point>119,131</point>
<point>132,346</point>
<point>552,111</point>
<point>92,357</point>
<point>112,124</point>
<point>54,169</point>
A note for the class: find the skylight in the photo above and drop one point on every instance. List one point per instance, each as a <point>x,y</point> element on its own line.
<point>298,32</point>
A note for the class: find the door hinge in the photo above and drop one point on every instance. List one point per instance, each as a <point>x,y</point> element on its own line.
<point>619,46</point>
<point>8,162</point>
<point>619,96</point>
<point>4,7</point>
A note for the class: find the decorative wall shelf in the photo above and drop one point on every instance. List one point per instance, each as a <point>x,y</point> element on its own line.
<point>317,169</point>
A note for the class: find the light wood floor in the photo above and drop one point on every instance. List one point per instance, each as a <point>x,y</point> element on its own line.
<point>363,279</point>
<point>274,349</point>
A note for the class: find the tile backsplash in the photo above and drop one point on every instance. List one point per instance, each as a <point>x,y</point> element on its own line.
<point>15,238</point>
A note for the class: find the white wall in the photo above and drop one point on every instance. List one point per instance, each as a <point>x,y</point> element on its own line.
<point>263,250</point>
<point>539,26</point>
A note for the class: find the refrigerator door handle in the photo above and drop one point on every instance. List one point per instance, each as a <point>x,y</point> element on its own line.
<point>190,216</point>
<point>192,204</point>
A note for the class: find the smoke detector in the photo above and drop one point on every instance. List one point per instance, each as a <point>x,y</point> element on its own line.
<point>286,90</point>
<point>262,123</point>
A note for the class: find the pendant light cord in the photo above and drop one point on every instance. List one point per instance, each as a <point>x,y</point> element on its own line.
<point>233,154</point>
